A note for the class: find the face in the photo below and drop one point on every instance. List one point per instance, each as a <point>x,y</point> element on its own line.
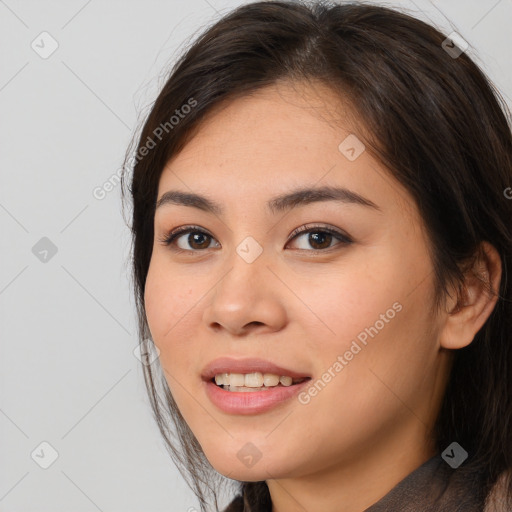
<point>343,304</point>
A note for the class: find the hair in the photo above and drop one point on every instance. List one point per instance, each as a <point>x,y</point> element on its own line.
<point>438,125</point>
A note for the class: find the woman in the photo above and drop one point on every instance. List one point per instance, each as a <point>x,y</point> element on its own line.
<point>321,244</point>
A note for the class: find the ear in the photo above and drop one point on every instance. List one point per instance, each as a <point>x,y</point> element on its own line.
<point>468,311</point>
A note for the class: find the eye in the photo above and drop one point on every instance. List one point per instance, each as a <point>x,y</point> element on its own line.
<point>196,238</point>
<point>320,238</point>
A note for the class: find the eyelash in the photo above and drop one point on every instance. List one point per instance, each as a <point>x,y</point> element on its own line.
<point>170,237</point>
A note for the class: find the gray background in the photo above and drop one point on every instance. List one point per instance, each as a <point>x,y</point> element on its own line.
<point>67,328</point>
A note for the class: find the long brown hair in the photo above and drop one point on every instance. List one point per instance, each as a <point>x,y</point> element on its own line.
<point>433,119</point>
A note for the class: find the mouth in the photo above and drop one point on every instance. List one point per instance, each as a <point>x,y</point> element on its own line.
<point>250,386</point>
<point>256,381</point>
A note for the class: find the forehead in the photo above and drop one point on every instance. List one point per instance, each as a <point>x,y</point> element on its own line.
<point>286,115</point>
<point>280,137</point>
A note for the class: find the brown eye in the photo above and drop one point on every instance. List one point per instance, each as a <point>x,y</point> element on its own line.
<point>196,240</point>
<point>320,238</point>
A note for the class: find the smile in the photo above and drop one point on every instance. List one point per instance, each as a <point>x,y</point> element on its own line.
<point>251,382</point>
<point>250,386</point>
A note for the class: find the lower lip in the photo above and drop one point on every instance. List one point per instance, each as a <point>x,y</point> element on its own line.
<point>251,402</point>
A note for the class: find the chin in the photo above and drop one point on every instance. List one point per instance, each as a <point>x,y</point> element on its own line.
<point>245,476</point>
<point>240,466</point>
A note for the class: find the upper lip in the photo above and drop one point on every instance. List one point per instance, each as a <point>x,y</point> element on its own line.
<point>246,365</point>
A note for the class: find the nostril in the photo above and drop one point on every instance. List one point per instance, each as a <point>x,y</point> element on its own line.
<point>255,323</point>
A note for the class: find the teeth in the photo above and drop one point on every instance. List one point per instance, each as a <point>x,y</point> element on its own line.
<point>285,380</point>
<point>253,380</point>
<point>236,379</point>
<point>242,388</point>
<point>222,378</point>
<point>257,380</point>
<point>269,379</point>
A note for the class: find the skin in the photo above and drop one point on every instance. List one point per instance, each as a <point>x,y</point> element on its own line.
<point>300,307</point>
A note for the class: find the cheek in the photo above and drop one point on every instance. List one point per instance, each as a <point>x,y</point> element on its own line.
<point>172,315</point>
<point>341,304</point>
<point>167,296</point>
<point>365,326</point>
<point>172,312</point>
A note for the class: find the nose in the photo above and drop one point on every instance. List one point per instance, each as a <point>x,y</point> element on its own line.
<point>247,298</point>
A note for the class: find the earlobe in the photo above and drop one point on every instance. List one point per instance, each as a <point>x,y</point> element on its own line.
<point>475,301</point>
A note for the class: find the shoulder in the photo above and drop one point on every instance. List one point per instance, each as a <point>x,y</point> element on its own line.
<point>495,501</point>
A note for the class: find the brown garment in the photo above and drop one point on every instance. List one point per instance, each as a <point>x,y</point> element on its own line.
<point>432,487</point>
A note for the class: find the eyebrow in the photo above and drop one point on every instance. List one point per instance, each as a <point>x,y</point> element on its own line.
<point>298,197</point>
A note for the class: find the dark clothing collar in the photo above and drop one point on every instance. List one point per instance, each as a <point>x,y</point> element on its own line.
<point>434,487</point>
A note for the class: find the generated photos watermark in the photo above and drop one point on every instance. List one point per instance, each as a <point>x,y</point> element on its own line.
<point>100,192</point>
<point>343,360</point>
